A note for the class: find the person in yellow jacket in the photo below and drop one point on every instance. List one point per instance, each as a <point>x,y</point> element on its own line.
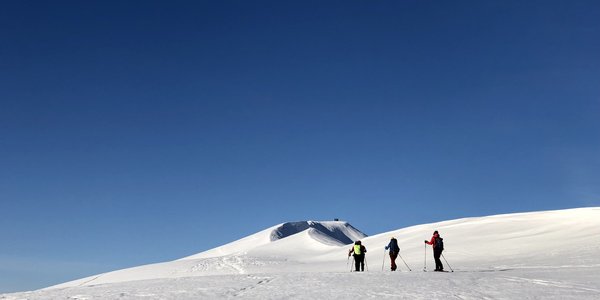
<point>358,250</point>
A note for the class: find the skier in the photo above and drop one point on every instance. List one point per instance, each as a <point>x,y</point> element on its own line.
<point>438,246</point>
<point>358,251</point>
<point>394,250</point>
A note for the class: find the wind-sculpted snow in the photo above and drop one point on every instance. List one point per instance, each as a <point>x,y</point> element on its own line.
<point>539,255</point>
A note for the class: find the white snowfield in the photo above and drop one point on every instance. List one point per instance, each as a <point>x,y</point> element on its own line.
<point>538,255</point>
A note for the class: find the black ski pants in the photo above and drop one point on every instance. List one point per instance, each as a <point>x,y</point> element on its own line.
<point>359,262</point>
<point>393,257</point>
<point>438,263</point>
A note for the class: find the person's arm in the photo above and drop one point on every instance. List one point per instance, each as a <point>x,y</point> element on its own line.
<point>430,242</point>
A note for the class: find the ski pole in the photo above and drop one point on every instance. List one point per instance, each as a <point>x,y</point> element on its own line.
<point>425,262</point>
<point>366,264</point>
<point>383,262</point>
<point>425,259</point>
<point>447,263</point>
<point>352,263</point>
<point>404,261</point>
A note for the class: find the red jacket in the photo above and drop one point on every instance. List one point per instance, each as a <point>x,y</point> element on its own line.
<point>432,242</point>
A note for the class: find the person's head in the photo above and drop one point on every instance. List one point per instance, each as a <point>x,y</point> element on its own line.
<point>435,232</point>
<point>393,238</point>
<point>357,243</point>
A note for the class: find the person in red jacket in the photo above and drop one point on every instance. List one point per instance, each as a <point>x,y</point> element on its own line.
<point>438,246</point>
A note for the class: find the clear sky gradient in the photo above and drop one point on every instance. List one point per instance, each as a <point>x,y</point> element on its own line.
<point>134,132</point>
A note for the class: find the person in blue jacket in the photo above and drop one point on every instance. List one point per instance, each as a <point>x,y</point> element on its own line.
<point>394,250</point>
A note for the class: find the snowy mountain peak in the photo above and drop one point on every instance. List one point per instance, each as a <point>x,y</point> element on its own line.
<point>337,231</point>
<point>304,234</point>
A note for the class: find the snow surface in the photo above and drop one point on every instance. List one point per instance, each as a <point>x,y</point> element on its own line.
<point>539,255</point>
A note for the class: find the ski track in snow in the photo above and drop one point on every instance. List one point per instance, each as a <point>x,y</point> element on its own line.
<point>235,262</point>
<point>552,283</point>
<point>259,281</point>
<point>226,263</point>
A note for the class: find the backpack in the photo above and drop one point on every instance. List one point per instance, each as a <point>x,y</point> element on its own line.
<point>357,249</point>
<point>439,243</point>
<point>394,246</point>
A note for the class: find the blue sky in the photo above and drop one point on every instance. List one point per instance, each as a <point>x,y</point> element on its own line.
<point>140,132</point>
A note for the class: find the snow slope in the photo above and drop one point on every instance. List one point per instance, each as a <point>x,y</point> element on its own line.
<point>274,249</point>
<point>538,255</point>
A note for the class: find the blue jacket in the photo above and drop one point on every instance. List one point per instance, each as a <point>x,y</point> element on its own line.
<point>393,246</point>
